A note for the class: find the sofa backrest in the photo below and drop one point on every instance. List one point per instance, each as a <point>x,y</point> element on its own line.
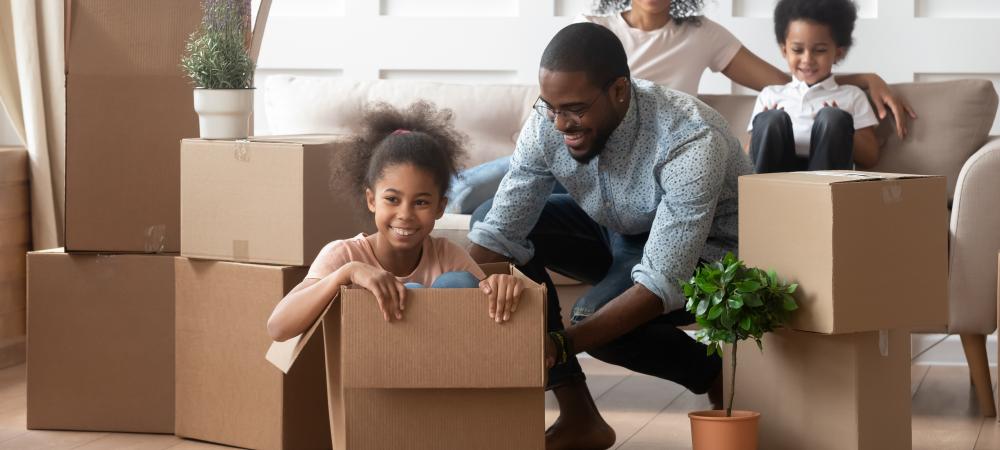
<point>955,116</point>
<point>954,120</point>
<point>491,115</point>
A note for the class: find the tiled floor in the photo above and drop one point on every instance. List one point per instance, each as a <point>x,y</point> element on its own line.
<point>646,413</point>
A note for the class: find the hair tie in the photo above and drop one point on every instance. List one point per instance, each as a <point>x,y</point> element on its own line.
<point>400,131</point>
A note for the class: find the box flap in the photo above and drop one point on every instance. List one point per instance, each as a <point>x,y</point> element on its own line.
<point>283,354</point>
<point>300,139</point>
<point>445,340</point>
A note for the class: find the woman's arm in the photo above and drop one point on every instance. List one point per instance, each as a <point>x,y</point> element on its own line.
<point>300,308</point>
<point>866,151</point>
<point>882,97</point>
<point>747,69</point>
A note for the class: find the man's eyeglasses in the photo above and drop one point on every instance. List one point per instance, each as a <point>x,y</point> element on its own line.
<point>574,114</point>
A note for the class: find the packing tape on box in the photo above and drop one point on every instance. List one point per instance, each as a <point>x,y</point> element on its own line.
<point>892,193</point>
<point>156,237</point>
<point>241,250</point>
<point>241,150</point>
<point>883,342</point>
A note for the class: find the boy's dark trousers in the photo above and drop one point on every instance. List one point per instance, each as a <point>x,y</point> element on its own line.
<point>831,144</point>
<point>569,242</point>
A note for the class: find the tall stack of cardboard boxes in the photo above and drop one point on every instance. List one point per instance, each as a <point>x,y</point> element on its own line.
<point>254,214</point>
<point>100,331</point>
<point>869,252</point>
<point>15,235</point>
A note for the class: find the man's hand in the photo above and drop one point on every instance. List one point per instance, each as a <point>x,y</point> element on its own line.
<point>550,352</point>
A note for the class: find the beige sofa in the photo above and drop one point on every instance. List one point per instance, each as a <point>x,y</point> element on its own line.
<point>950,138</point>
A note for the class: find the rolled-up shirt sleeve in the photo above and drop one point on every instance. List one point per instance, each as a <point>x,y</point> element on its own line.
<point>519,199</point>
<point>684,216</point>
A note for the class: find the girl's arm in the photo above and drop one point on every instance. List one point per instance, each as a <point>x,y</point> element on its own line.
<point>866,147</point>
<point>747,69</point>
<point>300,308</point>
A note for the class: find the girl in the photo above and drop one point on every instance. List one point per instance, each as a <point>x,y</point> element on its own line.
<point>402,163</point>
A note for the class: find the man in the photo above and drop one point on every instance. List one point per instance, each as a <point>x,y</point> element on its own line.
<point>651,179</point>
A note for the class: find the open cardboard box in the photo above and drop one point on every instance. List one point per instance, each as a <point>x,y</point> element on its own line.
<point>868,250</point>
<point>446,376</point>
<point>265,200</point>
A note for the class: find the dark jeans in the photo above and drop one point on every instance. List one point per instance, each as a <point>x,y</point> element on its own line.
<point>831,144</point>
<point>569,242</point>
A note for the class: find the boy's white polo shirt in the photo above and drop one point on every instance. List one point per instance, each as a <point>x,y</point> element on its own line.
<point>802,102</point>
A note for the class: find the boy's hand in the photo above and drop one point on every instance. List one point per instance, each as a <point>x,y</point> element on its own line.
<point>389,292</point>
<point>504,292</point>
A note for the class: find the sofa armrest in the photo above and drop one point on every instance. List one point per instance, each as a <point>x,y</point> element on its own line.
<point>975,240</point>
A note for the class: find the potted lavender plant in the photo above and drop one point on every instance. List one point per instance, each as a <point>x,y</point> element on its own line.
<point>218,62</point>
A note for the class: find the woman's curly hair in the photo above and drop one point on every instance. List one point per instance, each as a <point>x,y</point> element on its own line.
<point>681,11</point>
<point>420,134</point>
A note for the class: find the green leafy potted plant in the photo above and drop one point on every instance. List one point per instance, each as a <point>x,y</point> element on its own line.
<point>217,60</point>
<point>732,302</point>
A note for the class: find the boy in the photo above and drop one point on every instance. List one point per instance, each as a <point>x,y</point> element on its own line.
<point>812,123</point>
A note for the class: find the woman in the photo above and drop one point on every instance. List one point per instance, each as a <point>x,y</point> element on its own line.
<point>670,43</point>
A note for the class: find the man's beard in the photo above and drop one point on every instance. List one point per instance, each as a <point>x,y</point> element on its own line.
<point>595,149</point>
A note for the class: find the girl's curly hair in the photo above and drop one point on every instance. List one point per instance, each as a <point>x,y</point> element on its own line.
<point>420,134</point>
<point>681,11</point>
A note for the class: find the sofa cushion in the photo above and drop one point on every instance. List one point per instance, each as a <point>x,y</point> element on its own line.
<point>491,115</point>
<point>954,120</point>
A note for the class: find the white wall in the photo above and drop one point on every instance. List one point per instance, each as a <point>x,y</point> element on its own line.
<point>500,41</point>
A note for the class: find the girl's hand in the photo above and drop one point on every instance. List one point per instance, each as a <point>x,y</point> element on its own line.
<point>504,292</point>
<point>773,106</point>
<point>389,292</point>
<point>831,104</point>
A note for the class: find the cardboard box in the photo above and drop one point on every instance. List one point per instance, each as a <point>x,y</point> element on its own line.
<point>100,342</point>
<point>127,106</point>
<point>226,391</point>
<point>445,377</point>
<point>15,237</point>
<point>266,200</point>
<point>868,250</point>
<point>817,392</point>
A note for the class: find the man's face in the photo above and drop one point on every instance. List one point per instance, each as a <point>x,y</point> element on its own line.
<point>587,114</point>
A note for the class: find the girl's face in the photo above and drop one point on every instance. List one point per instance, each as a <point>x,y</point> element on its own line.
<point>810,51</point>
<point>652,7</point>
<point>406,202</point>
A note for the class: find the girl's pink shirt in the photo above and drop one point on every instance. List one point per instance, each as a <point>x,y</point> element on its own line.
<point>439,256</point>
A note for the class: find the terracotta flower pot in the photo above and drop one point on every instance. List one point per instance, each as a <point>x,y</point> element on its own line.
<point>712,430</point>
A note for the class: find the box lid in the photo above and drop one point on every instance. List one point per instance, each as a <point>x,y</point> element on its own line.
<point>830,177</point>
<point>300,139</point>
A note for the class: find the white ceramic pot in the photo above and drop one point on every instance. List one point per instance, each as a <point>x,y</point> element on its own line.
<point>223,113</point>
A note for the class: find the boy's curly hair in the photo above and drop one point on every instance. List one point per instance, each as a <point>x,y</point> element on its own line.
<point>681,11</point>
<point>420,134</point>
<point>838,15</point>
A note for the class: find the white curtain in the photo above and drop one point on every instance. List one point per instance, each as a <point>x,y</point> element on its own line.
<point>32,92</point>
